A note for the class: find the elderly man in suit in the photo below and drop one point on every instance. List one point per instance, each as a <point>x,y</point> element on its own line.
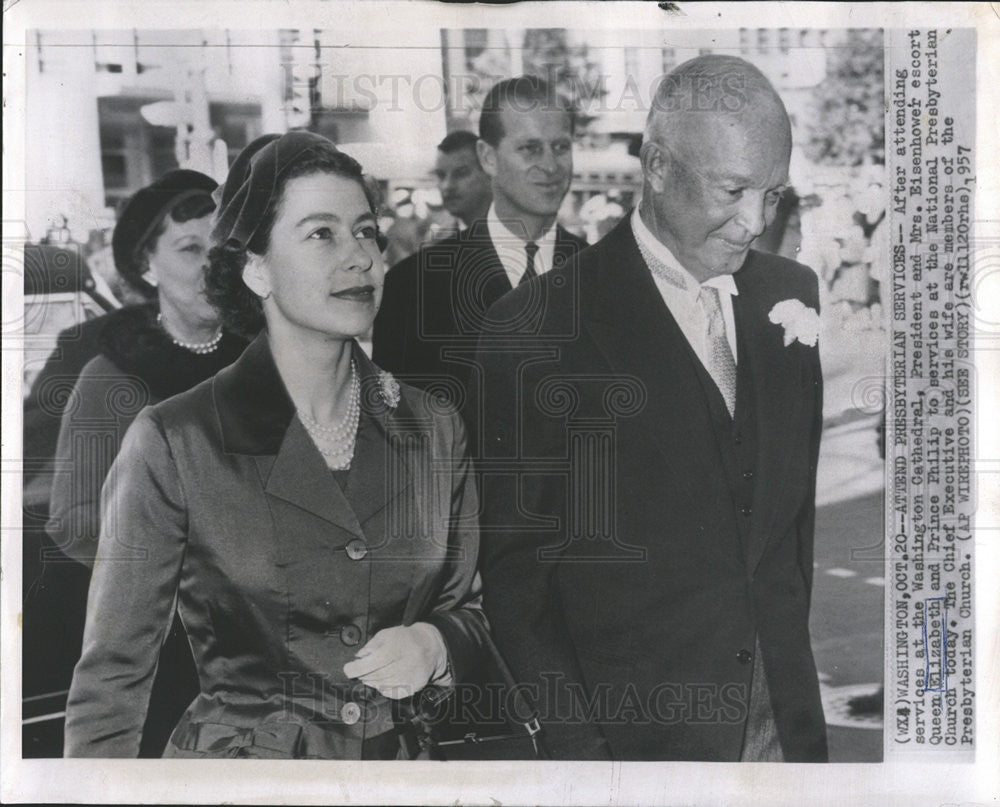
<point>651,432</point>
<point>435,302</point>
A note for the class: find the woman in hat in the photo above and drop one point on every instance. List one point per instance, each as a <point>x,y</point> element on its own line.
<point>148,352</point>
<point>312,520</point>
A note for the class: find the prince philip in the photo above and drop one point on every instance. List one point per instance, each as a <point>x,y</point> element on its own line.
<point>652,419</point>
<point>435,302</point>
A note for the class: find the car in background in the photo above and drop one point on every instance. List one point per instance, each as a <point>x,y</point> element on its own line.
<point>58,333</point>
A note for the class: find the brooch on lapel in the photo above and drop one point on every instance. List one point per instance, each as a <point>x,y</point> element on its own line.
<point>799,321</point>
<point>388,388</point>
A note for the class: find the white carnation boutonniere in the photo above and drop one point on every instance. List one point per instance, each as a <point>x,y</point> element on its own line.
<point>388,388</point>
<point>799,321</point>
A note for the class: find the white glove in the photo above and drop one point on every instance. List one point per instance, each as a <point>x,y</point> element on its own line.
<point>401,661</point>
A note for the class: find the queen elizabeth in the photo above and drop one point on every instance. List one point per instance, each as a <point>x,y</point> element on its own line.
<point>312,520</point>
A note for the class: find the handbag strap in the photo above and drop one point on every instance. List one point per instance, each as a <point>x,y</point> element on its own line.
<point>432,697</point>
<point>522,703</point>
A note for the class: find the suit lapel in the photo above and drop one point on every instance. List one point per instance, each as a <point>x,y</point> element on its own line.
<point>257,418</point>
<point>567,247</point>
<point>774,379</point>
<point>252,403</point>
<point>480,277</point>
<point>300,477</point>
<point>380,470</point>
<point>634,330</point>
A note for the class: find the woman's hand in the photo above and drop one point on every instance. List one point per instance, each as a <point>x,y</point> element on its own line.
<point>401,661</point>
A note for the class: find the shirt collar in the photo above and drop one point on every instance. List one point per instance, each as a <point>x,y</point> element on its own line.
<point>500,233</point>
<point>724,283</point>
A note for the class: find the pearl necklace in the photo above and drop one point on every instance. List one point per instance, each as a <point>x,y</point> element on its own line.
<point>336,443</point>
<point>201,348</point>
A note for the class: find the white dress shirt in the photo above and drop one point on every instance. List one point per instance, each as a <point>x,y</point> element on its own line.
<point>510,248</point>
<point>683,303</point>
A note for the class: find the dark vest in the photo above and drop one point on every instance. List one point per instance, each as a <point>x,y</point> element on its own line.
<point>736,437</point>
<point>737,440</point>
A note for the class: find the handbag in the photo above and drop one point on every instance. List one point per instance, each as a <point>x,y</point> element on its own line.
<point>419,720</point>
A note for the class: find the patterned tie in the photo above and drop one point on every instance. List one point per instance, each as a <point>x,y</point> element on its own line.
<point>529,270</point>
<point>721,365</point>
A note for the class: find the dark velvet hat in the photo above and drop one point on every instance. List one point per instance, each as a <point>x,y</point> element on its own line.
<point>248,193</point>
<point>144,212</point>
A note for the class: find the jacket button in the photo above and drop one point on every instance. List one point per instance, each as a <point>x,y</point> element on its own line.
<point>350,635</point>
<point>744,657</point>
<point>356,549</point>
<point>350,713</point>
<point>746,509</point>
<point>748,475</point>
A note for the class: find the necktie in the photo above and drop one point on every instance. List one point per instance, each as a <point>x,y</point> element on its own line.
<point>721,365</point>
<point>529,269</point>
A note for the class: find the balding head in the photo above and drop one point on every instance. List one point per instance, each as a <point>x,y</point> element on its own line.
<point>714,162</point>
<point>714,85</point>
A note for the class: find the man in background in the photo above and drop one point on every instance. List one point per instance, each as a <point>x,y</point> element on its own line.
<point>465,188</point>
<point>434,303</point>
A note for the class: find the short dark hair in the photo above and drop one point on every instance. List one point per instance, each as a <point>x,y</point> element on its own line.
<point>522,93</point>
<point>240,308</point>
<point>458,140</point>
<point>187,209</point>
<point>193,207</point>
<point>181,194</point>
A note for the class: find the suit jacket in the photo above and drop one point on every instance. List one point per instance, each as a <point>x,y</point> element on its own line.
<point>434,306</point>
<point>220,505</point>
<point>137,365</point>
<point>625,578</point>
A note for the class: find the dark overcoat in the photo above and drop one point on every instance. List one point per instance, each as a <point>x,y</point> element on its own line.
<point>435,305</point>
<point>636,541</point>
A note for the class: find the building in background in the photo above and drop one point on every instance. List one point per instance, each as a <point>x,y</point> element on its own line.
<point>612,74</point>
<point>109,111</point>
<point>90,143</point>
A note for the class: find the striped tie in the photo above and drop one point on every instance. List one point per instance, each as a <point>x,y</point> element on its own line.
<point>529,269</point>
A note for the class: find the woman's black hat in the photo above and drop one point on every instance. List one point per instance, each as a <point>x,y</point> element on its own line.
<point>144,212</point>
<point>248,193</point>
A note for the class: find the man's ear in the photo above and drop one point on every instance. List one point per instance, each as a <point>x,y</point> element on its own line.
<point>655,165</point>
<point>256,277</point>
<point>487,157</point>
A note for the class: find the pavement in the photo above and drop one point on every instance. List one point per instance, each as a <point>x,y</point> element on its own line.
<point>849,585</point>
